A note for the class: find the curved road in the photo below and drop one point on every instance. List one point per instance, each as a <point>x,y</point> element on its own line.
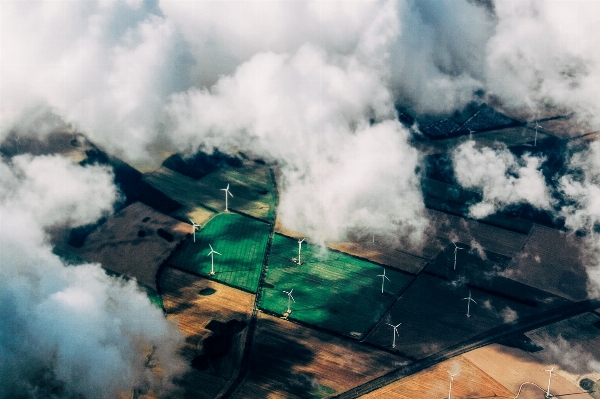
<point>518,326</point>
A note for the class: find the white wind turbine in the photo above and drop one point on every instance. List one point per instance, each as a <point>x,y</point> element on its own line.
<point>290,298</point>
<point>470,133</point>
<point>469,300</point>
<point>456,248</point>
<point>383,278</point>
<point>548,394</point>
<point>300,249</point>
<point>537,126</point>
<point>212,259</point>
<point>227,192</point>
<point>194,228</point>
<point>451,380</point>
<point>395,327</point>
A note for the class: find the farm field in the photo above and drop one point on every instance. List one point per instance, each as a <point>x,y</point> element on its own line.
<point>252,188</point>
<point>332,290</point>
<point>133,242</point>
<point>292,361</point>
<point>551,261</point>
<point>574,343</point>
<point>240,240</point>
<point>213,318</point>
<point>382,254</point>
<point>433,316</point>
<point>491,238</point>
<point>470,382</point>
<point>511,367</point>
<point>488,275</point>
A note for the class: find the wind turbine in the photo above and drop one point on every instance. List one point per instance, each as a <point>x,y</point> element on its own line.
<point>469,299</point>
<point>395,327</point>
<point>194,228</point>
<point>300,249</point>
<point>451,380</point>
<point>548,394</point>
<point>227,192</point>
<point>383,278</point>
<point>212,259</point>
<point>456,248</point>
<point>537,125</point>
<point>290,298</point>
<point>470,133</point>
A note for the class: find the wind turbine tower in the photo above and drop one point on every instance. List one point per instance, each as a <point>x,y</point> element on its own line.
<point>537,126</point>
<point>212,259</point>
<point>300,249</point>
<point>451,380</point>
<point>383,278</point>
<point>469,300</point>
<point>395,327</point>
<point>548,394</point>
<point>227,192</point>
<point>471,133</point>
<point>290,298</point>
<point>194,228</point>
<point>456,248</point>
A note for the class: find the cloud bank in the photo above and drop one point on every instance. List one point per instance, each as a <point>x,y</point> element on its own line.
<point>70,331</point>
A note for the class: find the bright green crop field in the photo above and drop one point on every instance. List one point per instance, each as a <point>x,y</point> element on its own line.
<point>332,290</point>
<point>240,240</point>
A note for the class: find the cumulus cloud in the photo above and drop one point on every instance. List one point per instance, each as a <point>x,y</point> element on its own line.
<point>70,331</point>
<point>502,178</point>
<point>103,66</point>
<point>543,53</point>
<point>329,123</point>
<point>580,188</point>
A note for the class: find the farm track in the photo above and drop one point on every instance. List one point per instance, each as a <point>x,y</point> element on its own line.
<point>518,326</point>
<point>230,389</point>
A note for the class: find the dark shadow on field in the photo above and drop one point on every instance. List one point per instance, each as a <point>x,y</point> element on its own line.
<point>433,309</point>
<point>218,344</point>
<point>273,362</point>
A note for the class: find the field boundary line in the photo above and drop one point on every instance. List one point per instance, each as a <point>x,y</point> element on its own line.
<point>231,388</point>
<point>518,326</point>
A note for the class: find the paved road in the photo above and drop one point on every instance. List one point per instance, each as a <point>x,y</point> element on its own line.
<point>518,326</point>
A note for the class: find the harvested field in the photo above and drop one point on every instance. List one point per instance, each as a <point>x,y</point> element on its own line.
<point>573,344</point>
<point>203,309</point>
<point>488,275</point>
<point>551,261</point>
<point>382,254</point>
<point>332,290</point>
<point>512,367</point>
<point>134,242</point>
<point>566,128</point>
<point>470,382</point>
<point>242,243</point>
<point>252,187</point>
<point>433,316</point>
<point>493,239</point>
<point>292,361</point>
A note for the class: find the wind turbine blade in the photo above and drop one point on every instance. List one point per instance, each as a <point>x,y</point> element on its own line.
<point>217,253</point>
<point>211,248</point>
<point>292,298</point>
<point>191,221</point>
<point>398,325</point>
<point>292,290</point>
<point>385,277</point>
<point>227,187</point>
<point>389,324</point>
<point>229,192</point>
<point>474,301</point>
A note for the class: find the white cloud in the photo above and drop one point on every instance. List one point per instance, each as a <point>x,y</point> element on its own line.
<point>311,114</point>
<point>502,178</point>
<point>70,331</point>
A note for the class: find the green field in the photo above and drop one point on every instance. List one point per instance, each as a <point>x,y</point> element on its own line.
<point>252,187</point>
<point>241,241</point>
<point>332,290</point>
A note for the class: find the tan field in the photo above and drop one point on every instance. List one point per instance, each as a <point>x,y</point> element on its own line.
<point>566,128</point>
<point>512,367</point>
<point>194,302</point>
<point>292,361</point>
<point>434,383</point>
<point>118,246</point>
